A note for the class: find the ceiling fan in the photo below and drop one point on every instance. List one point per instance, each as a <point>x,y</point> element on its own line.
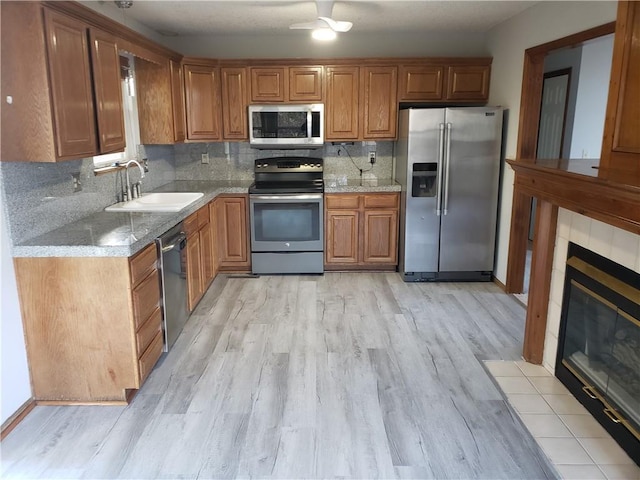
<point>324,27</point>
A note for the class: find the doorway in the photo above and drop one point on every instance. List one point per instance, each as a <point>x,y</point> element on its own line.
<point>552,142</point>
<point>528,138</point>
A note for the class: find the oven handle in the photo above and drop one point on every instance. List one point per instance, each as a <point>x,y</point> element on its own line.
<point>294,196</point>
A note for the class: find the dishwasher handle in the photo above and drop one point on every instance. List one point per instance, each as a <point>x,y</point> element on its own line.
<point>173,242</point>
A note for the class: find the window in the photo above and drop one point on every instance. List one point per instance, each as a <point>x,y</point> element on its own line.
<point>131,126</point>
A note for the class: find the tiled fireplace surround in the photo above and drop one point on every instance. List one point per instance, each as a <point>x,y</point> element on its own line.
<point>619,245</point>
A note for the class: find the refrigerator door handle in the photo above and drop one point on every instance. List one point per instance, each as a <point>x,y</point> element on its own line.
<point>447,158</point>
<point>440,185</point>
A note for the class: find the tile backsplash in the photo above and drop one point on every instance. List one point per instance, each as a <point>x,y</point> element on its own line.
<point>237,164</point>
<point>611,242</point>
<point>39,197</point>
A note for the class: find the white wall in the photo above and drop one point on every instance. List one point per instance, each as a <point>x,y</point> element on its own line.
<point>294,45</point>
<point>15,384</point>
<point>507,42</point>
<point>591,102</point>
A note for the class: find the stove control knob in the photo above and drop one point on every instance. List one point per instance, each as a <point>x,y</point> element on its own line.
<point>318,165</point>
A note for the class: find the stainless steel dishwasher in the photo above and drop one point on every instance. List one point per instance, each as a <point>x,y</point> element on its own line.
<point>172,250</point>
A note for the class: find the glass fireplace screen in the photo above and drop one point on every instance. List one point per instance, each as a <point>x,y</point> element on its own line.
<point>601,339</point>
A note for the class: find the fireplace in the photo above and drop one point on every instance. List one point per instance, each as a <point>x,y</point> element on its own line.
<point>599,343</point>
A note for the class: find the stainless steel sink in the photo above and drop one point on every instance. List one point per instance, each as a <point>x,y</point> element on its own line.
<point>157,202</point>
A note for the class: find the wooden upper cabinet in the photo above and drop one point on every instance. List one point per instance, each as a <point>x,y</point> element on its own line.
<point>108,91</point>
<point>341,110</point>
<point>620,160</point>
<point>305,84</point>
<point>71,86</point>
<point>420,83</point>
<point>153,94</point>
<point>234,104</point>
<point>468,82</point>
<point>27,122</point>
<point>268,85</point>
<point>177,101</point>
<point>380,106</point>
<point>286,84</point>
<point>203,102</point>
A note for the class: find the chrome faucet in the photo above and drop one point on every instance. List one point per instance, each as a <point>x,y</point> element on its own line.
<point>136,190</point>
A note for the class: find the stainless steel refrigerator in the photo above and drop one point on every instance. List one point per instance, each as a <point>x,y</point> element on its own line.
<point>448,163</point>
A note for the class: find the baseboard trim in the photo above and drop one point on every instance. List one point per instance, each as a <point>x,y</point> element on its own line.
<point>499,284</point>
<point>13,421</point>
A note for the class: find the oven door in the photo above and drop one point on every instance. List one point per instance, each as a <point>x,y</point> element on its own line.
<point>287,222</point>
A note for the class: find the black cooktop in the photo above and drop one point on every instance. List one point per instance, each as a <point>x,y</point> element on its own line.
<point>288,175</point>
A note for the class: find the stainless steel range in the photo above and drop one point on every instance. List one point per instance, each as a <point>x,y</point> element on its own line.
<point>287,216</point>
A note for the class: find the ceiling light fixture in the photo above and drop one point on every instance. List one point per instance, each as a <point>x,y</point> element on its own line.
<point>324,34</point>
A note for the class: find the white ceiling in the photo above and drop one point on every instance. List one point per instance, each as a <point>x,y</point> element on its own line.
<point>260,17</point>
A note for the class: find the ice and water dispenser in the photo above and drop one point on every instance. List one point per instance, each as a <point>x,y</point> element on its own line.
<point>424,180</point>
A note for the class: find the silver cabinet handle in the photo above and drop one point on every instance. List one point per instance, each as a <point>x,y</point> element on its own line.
<point>287,197</point>
<point>439,185</point>
<point>174,242</point>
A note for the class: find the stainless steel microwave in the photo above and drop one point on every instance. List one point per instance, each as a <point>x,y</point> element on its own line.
<point>286,126</point>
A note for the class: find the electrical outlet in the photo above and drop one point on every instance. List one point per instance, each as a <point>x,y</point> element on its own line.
<point>77,185</point>
<point>205,158</point>
<point>372,157</point>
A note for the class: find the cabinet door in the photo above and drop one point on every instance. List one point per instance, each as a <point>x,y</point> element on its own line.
<point>420,83</point>
<point>177,101</point>
<point>380,236</point>
<point>468,82</point>
<point>305,84</point>
<point>341,236</point>
<point>214,225</point>
<point>71,88</point>
<point>194,271</point>
<point>207,255</point>
<point>232,239</point>
<point>620,160</point>
<point>107,86</point>
<point>380,104</point>
<point>27,133</point>
<point>234,104</point>
<point>342,103</point>
<point>155,105</point>
<point>203,107</point>
<point>268,85</point>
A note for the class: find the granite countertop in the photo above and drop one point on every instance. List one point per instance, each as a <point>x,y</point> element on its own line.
<point>357,185</point>
<point>122,234</point>
<point>116,234</point>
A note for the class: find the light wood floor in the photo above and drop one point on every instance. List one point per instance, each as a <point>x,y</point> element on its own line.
<point>341,375</point>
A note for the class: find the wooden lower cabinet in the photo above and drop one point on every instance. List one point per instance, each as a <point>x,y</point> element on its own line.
<point>92,326</point>
<point>232,233</point>
<point>361,231</point>
<point>200,254</point>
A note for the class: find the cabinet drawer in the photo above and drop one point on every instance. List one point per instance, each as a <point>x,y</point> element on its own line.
<point>148,331</point>
<point>381,201</point>
<point>190,224</point>
<point>203,216</point>
<point>150,357</point>
<point>146,298</point>
<point>141,265</point>
<point>342,201</point>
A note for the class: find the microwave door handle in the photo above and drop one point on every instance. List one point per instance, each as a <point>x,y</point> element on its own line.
<point>309,120</point>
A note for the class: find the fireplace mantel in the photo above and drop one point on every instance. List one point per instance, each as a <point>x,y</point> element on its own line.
<point>574,184</point>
